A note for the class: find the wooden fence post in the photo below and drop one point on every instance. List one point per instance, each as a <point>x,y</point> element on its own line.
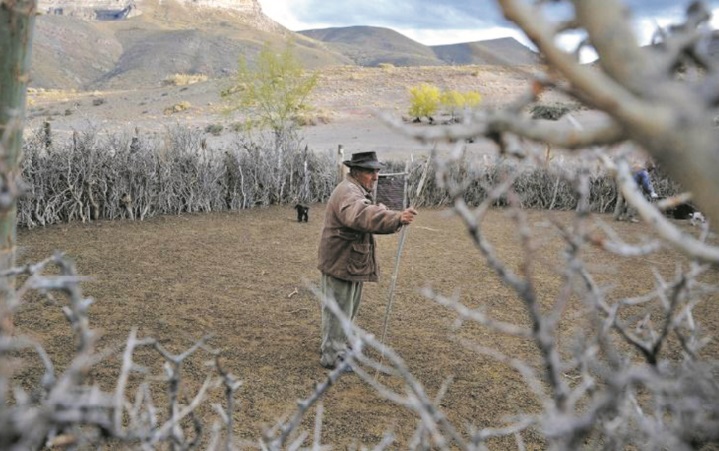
<point>341,168</point>
<point>17,18</point>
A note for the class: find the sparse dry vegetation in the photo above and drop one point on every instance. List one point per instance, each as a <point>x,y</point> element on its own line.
<point>214,129</point>
<point>184,79</point>
<point>312,117</point>
<point>276,91</point>
<point>178,107</point>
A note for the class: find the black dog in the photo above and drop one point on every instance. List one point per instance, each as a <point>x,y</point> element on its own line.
<point>303,213</point>
<point>682,211</point>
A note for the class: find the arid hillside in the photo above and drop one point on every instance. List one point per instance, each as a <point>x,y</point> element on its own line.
<point>346,105</point>
<point>167,65</point>
<point>156,39</point>
<point>167,38</point>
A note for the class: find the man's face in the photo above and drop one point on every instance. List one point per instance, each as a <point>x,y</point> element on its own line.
<point>367,178</point>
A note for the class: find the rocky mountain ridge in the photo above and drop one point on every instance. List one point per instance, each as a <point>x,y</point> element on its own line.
<point>130,44</point>
<point>88,9</point>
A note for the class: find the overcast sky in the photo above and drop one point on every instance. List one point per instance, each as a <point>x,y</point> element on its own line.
<point>436,22</point>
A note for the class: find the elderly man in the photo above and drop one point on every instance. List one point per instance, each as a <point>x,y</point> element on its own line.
<point>347,247</point>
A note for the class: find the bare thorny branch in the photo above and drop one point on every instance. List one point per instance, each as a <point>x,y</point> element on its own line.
<point>68,411</point>
<point>644,102</point>
<point>608,399</point>
<point>617,385</point>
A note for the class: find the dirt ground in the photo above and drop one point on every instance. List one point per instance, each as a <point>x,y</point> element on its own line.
<point>347,106</point>
<point>244,277</point>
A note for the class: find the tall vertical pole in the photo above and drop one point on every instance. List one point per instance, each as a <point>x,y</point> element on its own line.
<point>17,18</point>
<point>340,166</point>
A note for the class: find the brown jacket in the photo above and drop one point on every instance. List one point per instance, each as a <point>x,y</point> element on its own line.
<point>347,247</point>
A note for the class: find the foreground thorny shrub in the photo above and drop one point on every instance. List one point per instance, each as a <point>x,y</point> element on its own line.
<point>637,374</point>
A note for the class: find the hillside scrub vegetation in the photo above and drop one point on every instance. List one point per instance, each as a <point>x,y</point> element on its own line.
<point>456,102</point>
<point>595,360</point>
<point>276,89</point>
<point>426,100</point>
<point>184,79</point>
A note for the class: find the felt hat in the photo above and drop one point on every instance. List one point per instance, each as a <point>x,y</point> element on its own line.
<point>366,160</point>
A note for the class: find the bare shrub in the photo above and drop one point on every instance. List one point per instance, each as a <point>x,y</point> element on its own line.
<point>312,117</point>
<point>543,186</point>
<point>184,79</point>
<point>630,372</point>
<point>67,410</point>
<point>214,129</point>
<point>550,112</point>
<point>177,108</point>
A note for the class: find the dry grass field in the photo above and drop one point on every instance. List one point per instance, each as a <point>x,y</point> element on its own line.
<point>244,277</point>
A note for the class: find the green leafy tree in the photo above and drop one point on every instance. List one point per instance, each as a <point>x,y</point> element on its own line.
<point>424,101</point>
<point>275,89</point>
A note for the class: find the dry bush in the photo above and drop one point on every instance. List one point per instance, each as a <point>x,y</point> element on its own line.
<point>544,186</point>
<point>184,79</point>
<point>550,112</point>
<point>637,374</point>
<point>67,411</point>
<point>312,117</point>
<point>214,129</point>
<point>177,108</point>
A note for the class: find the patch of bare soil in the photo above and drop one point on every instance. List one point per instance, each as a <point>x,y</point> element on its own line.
<point>244,276</point>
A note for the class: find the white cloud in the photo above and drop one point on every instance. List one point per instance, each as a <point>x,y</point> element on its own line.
<point>281,11</point>
<point>442,37</point>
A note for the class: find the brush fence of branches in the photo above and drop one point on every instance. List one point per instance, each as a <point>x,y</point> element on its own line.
<point>536,187</point>
<point>99,175</point>
<point>112,176</point>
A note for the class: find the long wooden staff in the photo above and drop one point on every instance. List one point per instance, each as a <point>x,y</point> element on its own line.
<point>402,238</point>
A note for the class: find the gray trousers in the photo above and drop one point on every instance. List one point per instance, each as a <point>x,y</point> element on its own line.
<point>347,295</point>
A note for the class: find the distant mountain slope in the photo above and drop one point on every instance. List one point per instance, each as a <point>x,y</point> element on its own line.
<point>371,46</point>
<point>167,38</point>
<point>503,52</point>
<point>173,36</point>
<point>69,52</point>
